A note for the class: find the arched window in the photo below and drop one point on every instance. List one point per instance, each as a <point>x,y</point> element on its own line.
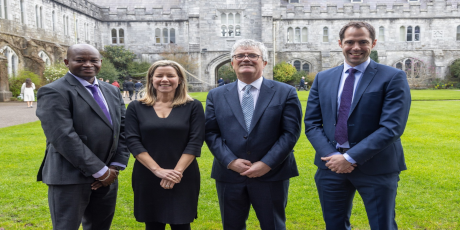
<point>53,17</point>
<point>304,34</point>
<point>223,19</point>
<point>63,22</point>
<point>67,25</point>
<point>407,65</point>
<point>402,33</point>
<point>381,34</point>
<point>157,35</point>
<point>399,65</point>
<point>37,17</point>
<point>290,35</point>
<point>87,32</point>
<point>172,35</point>
<point>114,36</point>
<point>23,19</point>
<point>237,31</point>
<point>4,9</point>
<point>417,33</point>
<point>230,24</point>
<point>325,34</point>
<point>12,60</point>
<point>458,33</point>
<point>165,35</point>
<point>237,18</point>
<point>121,36</point>
<point>297,35</point>
<point>41,17</point>
<point>413,67</point>
<point>409,33</point>
<point>230,19</point>
<point>76,28</point>
<point>223,30</point>
<point>1,9</point>
<point>297,65</point>
<point>44,57</point>
<point>230,30</point>
<point>306,67</point>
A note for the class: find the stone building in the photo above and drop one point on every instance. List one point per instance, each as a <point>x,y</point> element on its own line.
<point>419,36</point>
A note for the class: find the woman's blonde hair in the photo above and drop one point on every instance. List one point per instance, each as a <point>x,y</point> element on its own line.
<point>181,96</point>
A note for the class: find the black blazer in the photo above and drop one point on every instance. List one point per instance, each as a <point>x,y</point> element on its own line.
<point>275,129</point>
<point>80,140</point>
<point>377,119</point>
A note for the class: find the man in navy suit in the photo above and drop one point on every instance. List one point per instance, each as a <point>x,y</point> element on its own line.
<point>252,126</point>
<point>355,116</point>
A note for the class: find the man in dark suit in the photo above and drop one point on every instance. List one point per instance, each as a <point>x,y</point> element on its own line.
<point>130,88</point>
<point>252,126</point>
<point>138,87</point>
<point>302,84</point>
<point>83,121</point>
<point>355,116</point>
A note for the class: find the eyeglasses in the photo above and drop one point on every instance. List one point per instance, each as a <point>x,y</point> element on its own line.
<point>251,57</point>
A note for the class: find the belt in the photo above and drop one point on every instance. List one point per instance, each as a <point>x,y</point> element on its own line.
<point>343,150</point>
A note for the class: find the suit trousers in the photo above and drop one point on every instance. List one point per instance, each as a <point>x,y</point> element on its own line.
<point>336,192</point>
<point>268,198</point>
<point>72,205</point>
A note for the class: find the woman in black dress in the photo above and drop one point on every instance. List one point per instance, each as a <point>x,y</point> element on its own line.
<point>165,132</point>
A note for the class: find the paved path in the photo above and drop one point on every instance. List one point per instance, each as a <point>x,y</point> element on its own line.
<point>16,113</point>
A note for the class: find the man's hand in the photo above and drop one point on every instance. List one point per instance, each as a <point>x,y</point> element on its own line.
<point>168,174</point>
<point>257,169</point>
<point>166,184</point>
<point>240,165</point>
<point>109,177</point>
<point>338,164</point>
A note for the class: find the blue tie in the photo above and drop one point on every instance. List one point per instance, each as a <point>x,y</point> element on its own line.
<point>247,105</point>
<point>99,101</point>
<point>341,130</point>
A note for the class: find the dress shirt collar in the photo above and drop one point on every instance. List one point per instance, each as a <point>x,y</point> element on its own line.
<point>361,67</point>
<point>84,82</point>
<point>255,84</point>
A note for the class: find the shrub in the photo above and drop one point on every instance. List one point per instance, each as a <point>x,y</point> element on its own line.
<point>119,57</point>
<point>108,71</point>
<point>138,69</point>
<point>297,76</point>
<point>455,69</point>
<point>283,72</point>
<point>17,81</point>
<point>310,78</point>
<point>374,56</point>
<point>54,72</point>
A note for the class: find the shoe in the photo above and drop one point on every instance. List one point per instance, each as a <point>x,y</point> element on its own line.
<point>31,106</point>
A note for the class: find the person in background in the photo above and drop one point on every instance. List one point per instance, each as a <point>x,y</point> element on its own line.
<point>115,83</point>
<point>165,133</point>
<point>125,89</point>
<point>137,88</point>
<point>220,82</point>
<point>27,90</point>
<point>302,84</point>
<point>130,88</point>
<point>108,81</point>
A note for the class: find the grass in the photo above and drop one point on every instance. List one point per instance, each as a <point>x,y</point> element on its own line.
<point>427,195</point>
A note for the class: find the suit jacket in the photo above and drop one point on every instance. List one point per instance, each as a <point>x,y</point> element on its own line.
<point>377,118</point>
<point>275,129</point>
<point>129,86</point>
<point>80,140</point>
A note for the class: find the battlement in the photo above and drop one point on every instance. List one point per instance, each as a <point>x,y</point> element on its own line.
<point>140,13</point>
<point>436,9</point>
<point>82,6</point>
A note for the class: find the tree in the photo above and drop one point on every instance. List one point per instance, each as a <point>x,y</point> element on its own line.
<point>54,72</point>
<point>119,56</point>
<point>180,55</point>
<point>297,76</point>
<point>374,56</point>
<point>283,72</point>
<point>138,69</point>
<point>455,69</point>
<point>16,82</point>
<point>226,72</point>
<point>108,71</point>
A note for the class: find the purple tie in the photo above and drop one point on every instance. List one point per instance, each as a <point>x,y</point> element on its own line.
<point>341,131</point>
<point>99,101</point>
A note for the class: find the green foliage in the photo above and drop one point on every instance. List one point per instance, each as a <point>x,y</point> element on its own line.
<point>17,81</point>
<point>455,69</point>
<point>226,72</point>
<point>108,71</point>
<point>54,72</point>
<point>180,55</point>
<point>138,69</point>
<point>297,76</point>
<point>119,56</point>
<point>374,56</point>
<point>283,72</point>
<point>310,78</point>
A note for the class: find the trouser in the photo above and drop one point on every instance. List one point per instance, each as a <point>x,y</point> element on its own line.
<point>130,94</point>
<point>136,93</point>
<point>162,226</point>
<point>302,86</point>
<point>72,205</point>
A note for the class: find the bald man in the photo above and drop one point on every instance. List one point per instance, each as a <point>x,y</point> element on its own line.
<point>83,121</point>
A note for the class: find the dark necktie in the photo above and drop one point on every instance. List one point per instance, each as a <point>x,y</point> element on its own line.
<point>341,130</point>
<point>99,101</point>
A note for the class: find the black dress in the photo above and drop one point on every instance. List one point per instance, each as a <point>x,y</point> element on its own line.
<point>165,139</point>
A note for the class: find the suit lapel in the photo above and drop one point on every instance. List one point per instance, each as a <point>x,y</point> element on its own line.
<point>83,92</point>
<point>265,96</point>
<point>334,86</point>
<point>366,79</point>
<point>233,100</point>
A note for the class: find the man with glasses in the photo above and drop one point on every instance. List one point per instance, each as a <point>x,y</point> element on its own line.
<point>252,126</point>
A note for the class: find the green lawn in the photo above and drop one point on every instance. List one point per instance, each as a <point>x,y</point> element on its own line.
<point>428,194</point>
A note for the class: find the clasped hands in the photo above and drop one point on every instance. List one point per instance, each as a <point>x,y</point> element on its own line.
<point>107,179</point>
<point>169,177</point>
<point>338,164</point>
<point>251,170</point>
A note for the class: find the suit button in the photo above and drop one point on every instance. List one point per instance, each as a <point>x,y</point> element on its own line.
<point>245,137</point>
<point>248,152</point>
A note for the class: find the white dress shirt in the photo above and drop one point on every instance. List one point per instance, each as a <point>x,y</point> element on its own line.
<point>255,90</point>
<point>358,74</point>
